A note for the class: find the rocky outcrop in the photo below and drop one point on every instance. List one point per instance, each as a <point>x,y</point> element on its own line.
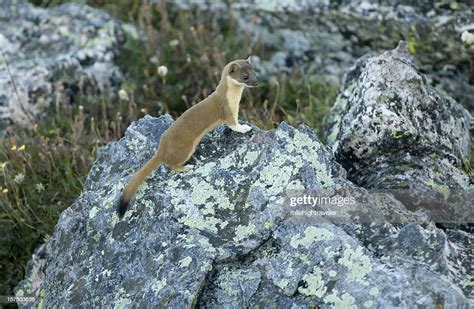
<point>230,233</point>
<point>392,131</point>
<point>51,55</point>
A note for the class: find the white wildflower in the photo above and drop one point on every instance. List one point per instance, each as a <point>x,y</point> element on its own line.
<point>162,71</point>
<point>467,38</point>
<point>19,178</point>
<point>174,43</point>
<point>123,95</point>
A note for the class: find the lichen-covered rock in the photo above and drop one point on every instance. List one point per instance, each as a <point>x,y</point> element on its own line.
<point>53,54</point>
<point>227,234</point>
<point>392,131</point>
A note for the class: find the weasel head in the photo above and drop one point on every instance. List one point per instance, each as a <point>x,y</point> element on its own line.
<point>241,73</point>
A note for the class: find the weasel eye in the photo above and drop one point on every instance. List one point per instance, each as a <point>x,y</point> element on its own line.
<point>246,77</point>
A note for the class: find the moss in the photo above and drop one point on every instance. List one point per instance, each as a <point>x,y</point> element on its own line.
<point>42,295</point>
<point>400,134</point>
<point>440,188</point>
<point>96,237</point>
<point>268,224</point>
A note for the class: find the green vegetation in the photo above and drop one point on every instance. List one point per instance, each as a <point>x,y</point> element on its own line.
<point>42,170</point>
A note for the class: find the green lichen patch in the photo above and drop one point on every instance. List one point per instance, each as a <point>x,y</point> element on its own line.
<point>358,264</point>
<point>315,285</point>
<point>311,235</point>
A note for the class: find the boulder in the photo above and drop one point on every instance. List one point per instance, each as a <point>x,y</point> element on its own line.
<point>51,55</point>
<point>392,131</point>
<point>232,233</point>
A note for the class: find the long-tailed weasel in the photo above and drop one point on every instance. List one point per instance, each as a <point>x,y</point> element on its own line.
<point>179,141</point>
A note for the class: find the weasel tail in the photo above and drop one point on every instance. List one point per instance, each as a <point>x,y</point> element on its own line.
<point>135,182</point>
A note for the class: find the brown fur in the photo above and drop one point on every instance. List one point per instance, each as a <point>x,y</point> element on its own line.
<point>179,141</point>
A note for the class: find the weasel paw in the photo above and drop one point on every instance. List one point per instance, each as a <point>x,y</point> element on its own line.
<point>181,169</point>
<point>241,128</point>
<point>245,128</point>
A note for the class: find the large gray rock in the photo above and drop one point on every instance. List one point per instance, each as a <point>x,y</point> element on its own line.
<point>54,55</point>
<point>225,234</point>
<point>392,131</point>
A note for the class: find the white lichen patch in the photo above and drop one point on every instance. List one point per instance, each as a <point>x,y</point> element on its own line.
<point>250,157</point>
<point>311,234</point>
<point>201,194</point>
<point>136,144</point>
<point>268,224</point>
<point>122,303</point>
<point>346,301</point>
<point>304,258</point>
<point>93,212</point>
<point>357,263</point>
<point>230,281</point>
<point>227,162</point>
<point>242,232</point>
<point>159,285</point>
<point>303,143</point>
<point>199,222</point>
<point>329,252</point>
<point>184,263</point>
<point>206,245</point>
<point>283,283</point>
<point>205,169</point>
<point>315,284</point>
<point>274,178</point>
<point>295,185</point>
<point>208,209</point>
<point>374,291</point>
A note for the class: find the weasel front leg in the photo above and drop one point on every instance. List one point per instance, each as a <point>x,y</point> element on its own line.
<point>233,123</point>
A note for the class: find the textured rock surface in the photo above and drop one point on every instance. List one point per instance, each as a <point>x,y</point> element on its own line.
<point>223,234</point>
<point>326,37</point>
<point>53,54</point>
<point>391,130</point>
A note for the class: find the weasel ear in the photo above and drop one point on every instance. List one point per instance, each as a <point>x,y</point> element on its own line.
<point>233,67</point>
<point>249,60</point>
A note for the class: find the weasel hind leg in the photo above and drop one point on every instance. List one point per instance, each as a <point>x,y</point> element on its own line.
<point>182,168</point>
